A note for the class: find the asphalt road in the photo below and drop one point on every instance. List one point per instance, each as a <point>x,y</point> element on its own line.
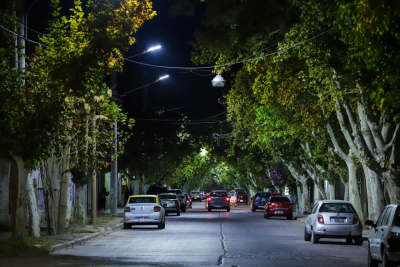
<point>201,238</point>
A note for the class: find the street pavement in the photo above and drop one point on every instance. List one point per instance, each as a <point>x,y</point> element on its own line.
<point>201,238</point>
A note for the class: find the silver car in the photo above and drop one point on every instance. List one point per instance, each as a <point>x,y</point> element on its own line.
<point>333,219</point>
<point>144,210</point>
<point>384,239</point>
<point>170,203</point>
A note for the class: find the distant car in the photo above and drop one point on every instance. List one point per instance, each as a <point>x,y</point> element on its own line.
<point>278,206</point>
<point>181,198</point>
<point>189,200</point>
<point>144,210</point>
<point>241,195</point>
<point>170,203</point>
<point>218,199</point>
<point>333,219</point>
<point>384,238</point>
<point>259,200</point>
<point>233,199</point>
<point>196,195</point>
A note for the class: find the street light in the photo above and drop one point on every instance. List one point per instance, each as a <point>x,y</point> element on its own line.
<point>159,79</point>
<point>146,51</point>
<point>218,81</point>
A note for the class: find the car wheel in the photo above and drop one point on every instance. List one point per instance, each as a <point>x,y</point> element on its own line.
<point>307,236</point>
<point>209,209</point>
<point>127,226</point>
<point>183,209</point>
<point>178,213</point>
<point>253,209</point>
<point>228,209</point>
<point>290,217</point>
<point>358,240</point>
<point>161,225</point>
<point>266,216</point>
<point>200,200</point>
<point>385,260</point>
<point>314,237</point>
<point>371,261</point>
<point>349,241</point>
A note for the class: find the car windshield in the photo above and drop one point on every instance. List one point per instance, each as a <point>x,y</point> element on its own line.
<point>166,196</point>
<point>219,194</point>
<point>337,208</point>
<point>280,200</point>
<point>195,192</point>
<point>134,200</point>
<point>397,218</point>
<point>175,191</point>
<point>263,195</point>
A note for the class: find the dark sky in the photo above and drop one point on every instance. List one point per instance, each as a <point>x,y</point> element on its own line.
<point>182,89</point>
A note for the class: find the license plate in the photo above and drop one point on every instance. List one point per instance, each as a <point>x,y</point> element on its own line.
<point>218,206</point>
<point>280,212</point>
<point>241,200</point>
<point>337,220</point>
<point>261,206</point>
<point>142,218</point>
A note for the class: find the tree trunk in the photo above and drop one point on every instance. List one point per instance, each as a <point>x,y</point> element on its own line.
<point>18,183</point>
<point>64,192</point>
<point>80,203</point>
<point>377,194</point>
<point>332,193</point>
<point>300,205</point>
<point>306,197</point>
<point>34,220</point>
<point>353,192</point>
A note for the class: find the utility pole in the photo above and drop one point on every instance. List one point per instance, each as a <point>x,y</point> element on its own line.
<point>114,171</point>
<point>94,179</point>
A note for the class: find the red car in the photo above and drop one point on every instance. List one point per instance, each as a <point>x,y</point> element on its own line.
<point>278,206</point>
<point>242,198</point>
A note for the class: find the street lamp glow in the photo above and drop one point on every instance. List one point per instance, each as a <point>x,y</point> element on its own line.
<point>153,48</point>
<point>163,77</point>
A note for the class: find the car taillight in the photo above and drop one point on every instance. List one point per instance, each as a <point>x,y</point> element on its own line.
<point>227,199</point>
<point>127,209</point>
<point>176,202</point>
<point>355,219</point>
<point>254,200</point>
<point>190,200</point>
<point>157,209</point>
<point>320,218</point>
<point>209,199</point>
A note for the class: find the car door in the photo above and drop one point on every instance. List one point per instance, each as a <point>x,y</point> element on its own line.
<point>310,218</point>
<point>377,233</point>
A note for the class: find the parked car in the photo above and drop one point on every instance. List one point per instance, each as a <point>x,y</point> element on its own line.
<point>259,200</point>
<point>144,210</point>
<point>241,195</point>
<point>196,195</point>
<point>181,198</point>
<point>333,219</point>
<point>218,199</point>
<point>278,206</point>
<point>170,203</point>
<point>233,198</point>
<point>189,200</point>
<point>384,238</point>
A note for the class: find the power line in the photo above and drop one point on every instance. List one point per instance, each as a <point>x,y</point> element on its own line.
<point>21,24</point>
<point>234,63</point>
<point>214,116</point>
<point>26,39</point>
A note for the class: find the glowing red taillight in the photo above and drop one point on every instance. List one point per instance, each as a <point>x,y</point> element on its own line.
<point>190,200</point>
<point>209,199</point>
<point>227,199</point>
<point>127,209</point>
<point>157,209</point>
<point>320,218</point>
<point>255,200</point>
<point>355,219</point>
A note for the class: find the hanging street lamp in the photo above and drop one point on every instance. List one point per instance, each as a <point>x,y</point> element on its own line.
<point>218,80</point>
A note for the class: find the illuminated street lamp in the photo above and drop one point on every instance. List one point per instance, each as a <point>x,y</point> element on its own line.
<point>218,81</point>
<point>146,51</point>
<point>159,79</point>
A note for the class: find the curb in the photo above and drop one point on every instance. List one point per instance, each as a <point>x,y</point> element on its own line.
<point>82,240</point>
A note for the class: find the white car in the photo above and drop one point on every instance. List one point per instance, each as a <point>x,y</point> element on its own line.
<point>233,199</point>
<point>144,210</point>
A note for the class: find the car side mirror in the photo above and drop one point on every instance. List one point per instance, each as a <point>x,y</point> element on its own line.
<point>370,223</point>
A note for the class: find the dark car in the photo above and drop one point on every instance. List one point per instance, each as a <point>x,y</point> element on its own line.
<point>189,200</point>
<point>278,206</point>
<point>218,199</point>
<point>259,200</point>
<point>384,238</point>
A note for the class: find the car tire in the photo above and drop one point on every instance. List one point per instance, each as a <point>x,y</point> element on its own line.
<point>307,236</point>
<point>178,213</point>
<point>290,217</point>
<point>161,225</point>
<point>349,241</point>
<point>228,209</point>
<point>385,260</point>
<point>371,261</point>
<point>200,199</point>
<point>253,209</point>
<point>267,216</point>
<point>314,237</point>
<point>358,240</point>
<point>209,209</point>
<point>183,209</point>
<point>127,226</point>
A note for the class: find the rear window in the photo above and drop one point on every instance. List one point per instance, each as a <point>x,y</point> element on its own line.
<point>196,192</point>
<point>167,196</point>
<point>337,208</point>
<point>263,195</point>
<point>134,200</point>
<point>280,200</point>
<point>219,194</point>
<point>175,191</point>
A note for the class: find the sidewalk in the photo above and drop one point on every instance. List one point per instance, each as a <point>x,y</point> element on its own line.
<point>76,234</point>
<point>302,219</point>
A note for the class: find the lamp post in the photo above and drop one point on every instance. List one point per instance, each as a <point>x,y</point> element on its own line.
<point>114,163</point>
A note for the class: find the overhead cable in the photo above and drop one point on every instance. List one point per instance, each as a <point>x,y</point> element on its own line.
<point>234,63</point>
<point>26,39</point>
